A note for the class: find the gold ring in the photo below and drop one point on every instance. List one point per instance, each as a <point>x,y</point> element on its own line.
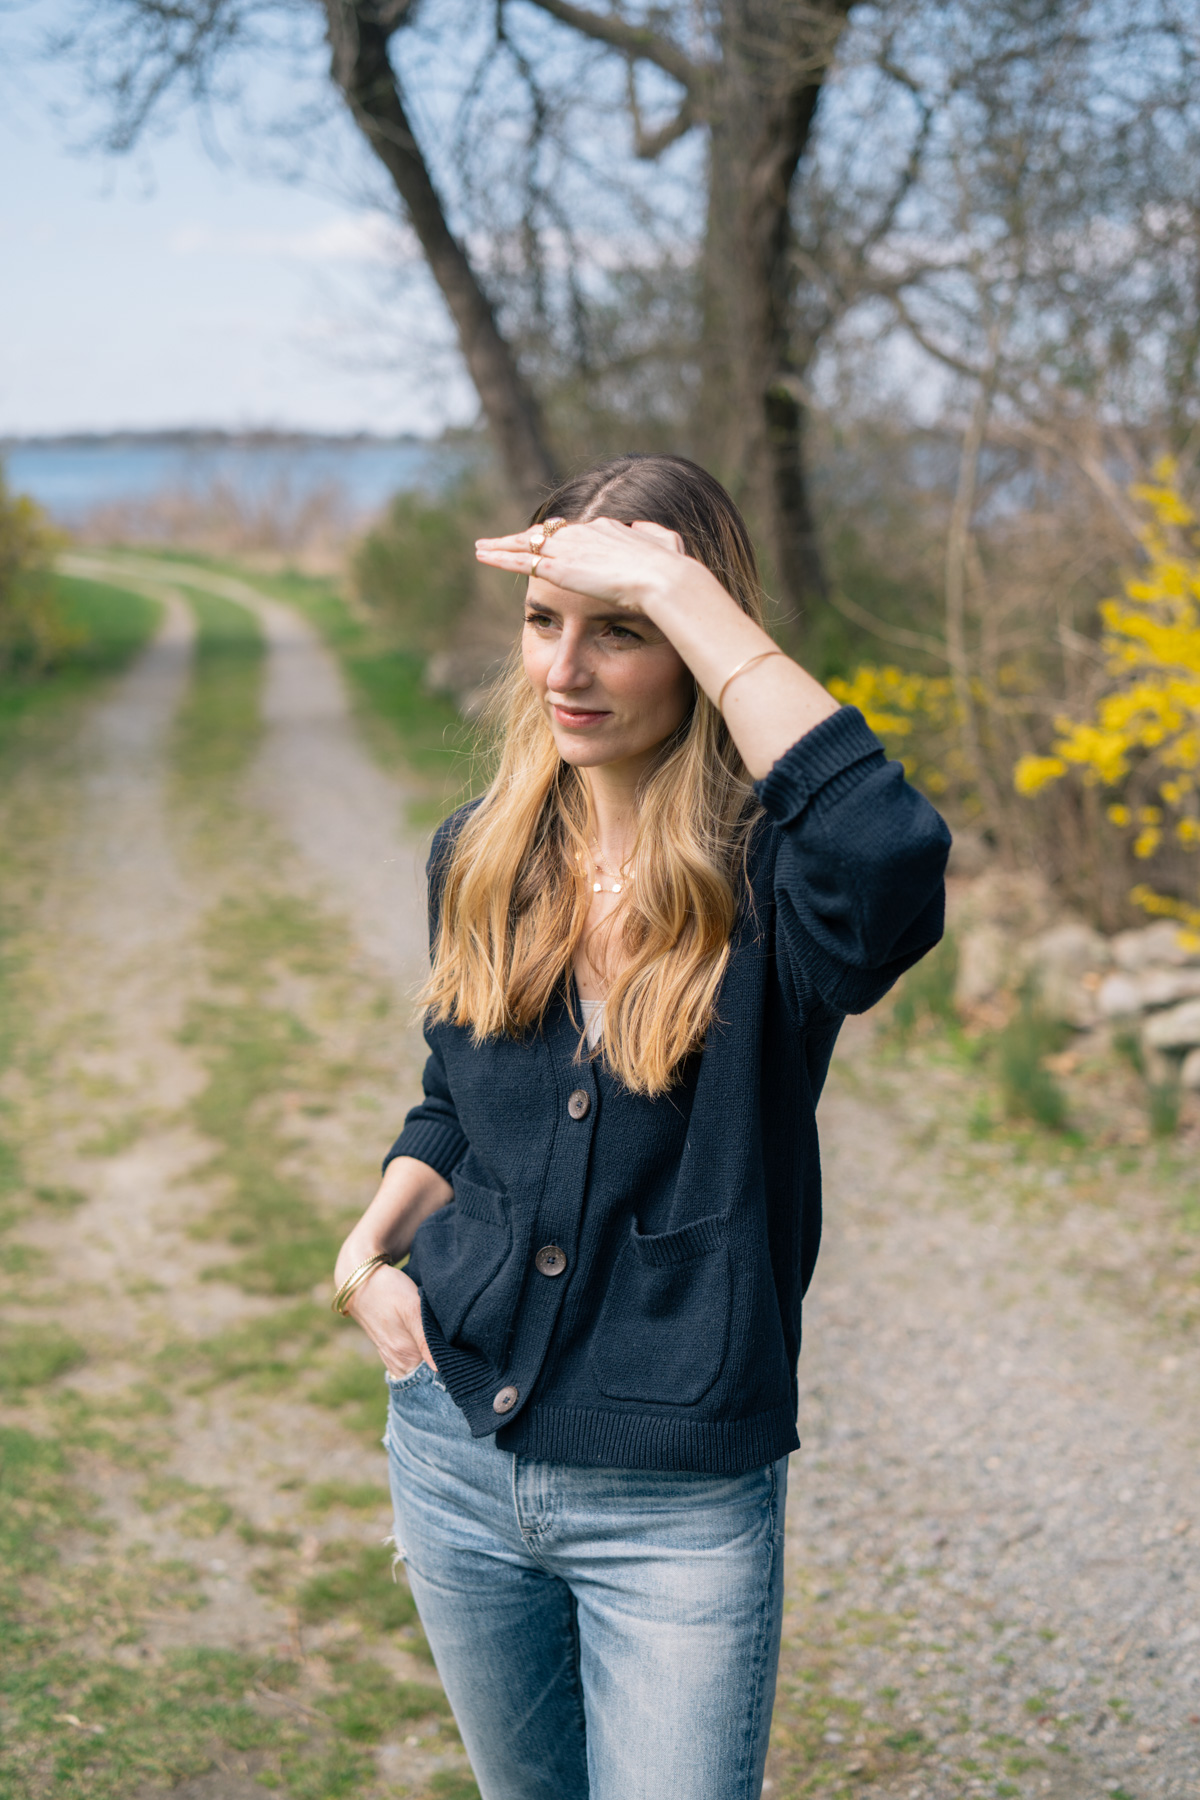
<point>533,567</point>
<point>550,527</point>
<point>537,536</point>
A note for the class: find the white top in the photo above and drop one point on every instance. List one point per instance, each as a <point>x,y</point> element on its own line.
<point>593,1020</point>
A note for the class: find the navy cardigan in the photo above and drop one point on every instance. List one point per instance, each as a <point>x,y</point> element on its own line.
<point>659,1327</point>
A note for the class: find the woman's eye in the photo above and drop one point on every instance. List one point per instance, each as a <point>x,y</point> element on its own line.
<point>537,619</point>
<point>623,631</point>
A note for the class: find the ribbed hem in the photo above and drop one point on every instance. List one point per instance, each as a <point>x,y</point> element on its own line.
<point>815,760</point>
<point>603,1440</point>
<point>441,1146</point>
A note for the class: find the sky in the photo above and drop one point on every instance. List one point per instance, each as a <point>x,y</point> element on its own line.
<point>165,291</point>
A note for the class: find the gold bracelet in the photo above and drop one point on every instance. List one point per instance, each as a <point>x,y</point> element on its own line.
<point>741,669</point>
<point>357,1276</point>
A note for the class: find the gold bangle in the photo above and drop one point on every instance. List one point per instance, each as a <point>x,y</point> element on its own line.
<point>357,1276</point>
<point>741,669</point>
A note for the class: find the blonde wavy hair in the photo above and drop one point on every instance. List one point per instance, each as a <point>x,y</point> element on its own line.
<point>513,899</point>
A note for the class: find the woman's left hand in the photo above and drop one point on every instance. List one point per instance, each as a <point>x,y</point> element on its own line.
<point>624,565</point>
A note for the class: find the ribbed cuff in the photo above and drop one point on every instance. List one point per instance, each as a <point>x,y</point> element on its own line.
<point>815,760</point>
<point>441,1146</point>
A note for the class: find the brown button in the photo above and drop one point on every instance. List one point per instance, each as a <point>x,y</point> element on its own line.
<point>580,1104</point>
<point>505,1400</point>
<point>550,1260</point>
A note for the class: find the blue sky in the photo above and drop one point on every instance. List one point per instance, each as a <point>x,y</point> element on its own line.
<point>164,290</point>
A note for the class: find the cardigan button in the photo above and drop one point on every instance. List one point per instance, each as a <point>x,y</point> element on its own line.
<point>505,1400</point>
<point>550,1260</point>
<point>580,1104</point>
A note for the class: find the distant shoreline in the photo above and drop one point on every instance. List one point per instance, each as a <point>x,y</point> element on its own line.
<point>206,437</point>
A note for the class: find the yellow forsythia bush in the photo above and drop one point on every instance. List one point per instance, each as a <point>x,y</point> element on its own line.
<point>1144,732</point>
<point>915,715</point>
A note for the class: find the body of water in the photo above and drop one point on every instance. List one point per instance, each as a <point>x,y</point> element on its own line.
<point>73,477</point>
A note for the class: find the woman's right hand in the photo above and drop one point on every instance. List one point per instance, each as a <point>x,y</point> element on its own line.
<point>388,1307</point>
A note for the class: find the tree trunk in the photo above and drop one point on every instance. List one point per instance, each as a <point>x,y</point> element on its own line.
<point>363,71</point>
<point>753,418</point>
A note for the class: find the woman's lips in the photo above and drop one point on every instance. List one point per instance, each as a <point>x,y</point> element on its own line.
<point>577,718</point>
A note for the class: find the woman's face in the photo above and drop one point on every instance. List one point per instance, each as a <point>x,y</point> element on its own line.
<point>611,686</point>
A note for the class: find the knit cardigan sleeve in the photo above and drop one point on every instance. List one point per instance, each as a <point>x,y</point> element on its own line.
<point>858,884</point>
<point>432,1132</point>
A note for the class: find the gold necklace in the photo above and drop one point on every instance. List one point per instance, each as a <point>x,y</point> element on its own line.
<point>600,867</point>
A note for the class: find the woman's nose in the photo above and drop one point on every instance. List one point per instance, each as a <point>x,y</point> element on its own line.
<point>569,669</point>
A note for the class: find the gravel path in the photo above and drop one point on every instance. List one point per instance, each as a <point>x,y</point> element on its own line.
<point>994,1585</point>
<point>1007,1471</point>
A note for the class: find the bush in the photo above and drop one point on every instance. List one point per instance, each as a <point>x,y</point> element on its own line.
<point>33,633</point>
<point>416,569</point>
<point>1141,737</point>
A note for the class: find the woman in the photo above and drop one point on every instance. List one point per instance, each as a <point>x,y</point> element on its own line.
<point>691,863</point>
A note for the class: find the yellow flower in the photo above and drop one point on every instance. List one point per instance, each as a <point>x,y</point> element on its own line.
<point>1033,773</point>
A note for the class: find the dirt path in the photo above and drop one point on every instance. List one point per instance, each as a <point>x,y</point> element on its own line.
<point>993,1582</point>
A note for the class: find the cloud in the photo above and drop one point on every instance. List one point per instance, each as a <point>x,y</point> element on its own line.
<point>368,237</point>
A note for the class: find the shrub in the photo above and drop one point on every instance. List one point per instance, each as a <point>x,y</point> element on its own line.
<point>1141,739</point>
<point>33,633</point>
<point>416,569</point>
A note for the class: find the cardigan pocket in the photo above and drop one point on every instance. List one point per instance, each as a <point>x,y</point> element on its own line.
<point>663,1329</point>
<point>461,1249</point>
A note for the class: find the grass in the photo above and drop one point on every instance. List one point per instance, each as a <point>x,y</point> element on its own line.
<point>1029,1089</point>
<point>355,1388</point>
<point>113,625</point>
<point>33,1355</point>
<point>219,726</point>
<point>359,1586</point>
<point>253,1049</point>
<point>926,994</point>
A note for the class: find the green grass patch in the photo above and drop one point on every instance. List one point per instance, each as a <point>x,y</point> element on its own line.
<point>219,726</point>
<point>356,1388</point>
<point>61,1199</point>
<point>32,1355</point>
<point>1029,1089</point>
<point>202,1513</point>
<point>109,626</point>
<point>925,995</point>
<point>450,1784</point>
<point>361,1585</point>
<point>371,1702</point>
<point>265,1353</point>
<point>361,1496</point>
<point>253,1051</point>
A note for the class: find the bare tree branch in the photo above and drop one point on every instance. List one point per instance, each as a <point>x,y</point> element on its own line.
<point>637,41</point>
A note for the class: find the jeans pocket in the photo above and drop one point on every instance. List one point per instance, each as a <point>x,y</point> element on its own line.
<point>398,1383</point>
<point>663,1329</point>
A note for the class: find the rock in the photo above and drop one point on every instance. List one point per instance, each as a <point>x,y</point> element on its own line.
<point>1060,959</point>
<point>1175,1028</point>
<point>1189,1074</point>
<point>1158,943</point>
<point>1122,995</point>
<point>1119,997</point>
<point>1163,987</point>
<point>984,958</point>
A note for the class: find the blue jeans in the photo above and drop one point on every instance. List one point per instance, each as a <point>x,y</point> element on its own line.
<point>603,1633</point>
